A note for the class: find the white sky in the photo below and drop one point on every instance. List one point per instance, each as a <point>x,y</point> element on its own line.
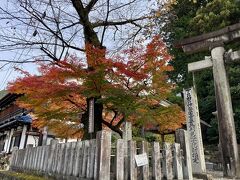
<point>9,74</point>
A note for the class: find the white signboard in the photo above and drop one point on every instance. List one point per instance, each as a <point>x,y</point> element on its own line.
<point>141,159</point>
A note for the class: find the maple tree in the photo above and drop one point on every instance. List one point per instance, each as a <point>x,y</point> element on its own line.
<point>51,30</point>
<point>127,86</point>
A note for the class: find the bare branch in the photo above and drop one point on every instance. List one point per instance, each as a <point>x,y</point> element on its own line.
<point>115,23</point>
<point>91,4</point>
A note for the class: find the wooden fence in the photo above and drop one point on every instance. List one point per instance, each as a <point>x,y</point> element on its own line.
<point>100,159</point>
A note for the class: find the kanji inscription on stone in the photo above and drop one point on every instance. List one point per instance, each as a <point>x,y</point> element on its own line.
<point>194,131</point>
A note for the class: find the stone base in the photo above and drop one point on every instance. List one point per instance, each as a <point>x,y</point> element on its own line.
<point>203,176</point>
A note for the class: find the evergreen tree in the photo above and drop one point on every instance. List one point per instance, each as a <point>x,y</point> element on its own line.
<point>190,18</point>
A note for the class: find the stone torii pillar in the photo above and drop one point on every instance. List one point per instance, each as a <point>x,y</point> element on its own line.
<point>214,41</point>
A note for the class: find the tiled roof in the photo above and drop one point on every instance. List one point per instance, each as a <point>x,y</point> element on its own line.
<point>3,93</point>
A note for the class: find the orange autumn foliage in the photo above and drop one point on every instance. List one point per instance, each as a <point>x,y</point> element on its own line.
<point>130,85</point>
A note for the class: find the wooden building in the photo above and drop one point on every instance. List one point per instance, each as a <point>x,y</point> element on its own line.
<point>15,124</point>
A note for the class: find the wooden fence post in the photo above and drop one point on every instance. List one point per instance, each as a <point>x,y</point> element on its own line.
<point>177,162</point>
<point>104,154</point>
<point>144,169</point>
<point>167,161</point>
<point>156,161</point>
<point>182,139</point>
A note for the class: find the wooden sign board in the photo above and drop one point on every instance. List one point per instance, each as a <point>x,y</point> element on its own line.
<point>141,159</point>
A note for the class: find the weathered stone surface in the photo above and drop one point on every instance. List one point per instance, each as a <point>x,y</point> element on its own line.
<point>227,133</point>
<point>194,130</point>
<point>127,131</point>
<point>156,161</point>
<point>132,151</point>
<point>167,161</point>
<point>104,154</point>
<point>177,162</point>
<point>144,170</point>
<point>183,139</point>
<point>120,159</point>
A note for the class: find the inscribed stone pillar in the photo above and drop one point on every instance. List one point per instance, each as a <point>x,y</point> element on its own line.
<point>45,135</point>
<point>182,138</point>
<point>194,131</point>
<point>127,131</point>
<point>227,132</point>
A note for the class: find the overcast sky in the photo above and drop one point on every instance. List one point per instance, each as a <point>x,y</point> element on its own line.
<point>7,73</point>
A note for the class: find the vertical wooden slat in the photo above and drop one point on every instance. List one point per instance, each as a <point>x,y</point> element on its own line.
<point>36,158</point>
<point>61,156</point>
<point>167,161</point>
<point>51,153</point>
<point>77,156</point>
<point>45,165</point>
<point>39,158</point>
<point>90,166</point>
<point>17,158</point>
<point>156,161</point>
<point>126,160</point>
<point>66,158</point>
<point>120,159</point>
<point>132,151</point>
<point>71,156</point>
<point>25,161</point>
<point>96,160</point>
<point>29,157</point>
<point>13,157</point>
<point>32,159</point>
<point>81,156</point>
<point>104,154</point>
<point>85,158</point>
<point>41,169</point>
<point>56,158</point>
<point>144,170</point>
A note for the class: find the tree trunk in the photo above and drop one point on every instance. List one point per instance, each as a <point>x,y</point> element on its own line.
<point>98,108</point>
<point>91,38</point>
